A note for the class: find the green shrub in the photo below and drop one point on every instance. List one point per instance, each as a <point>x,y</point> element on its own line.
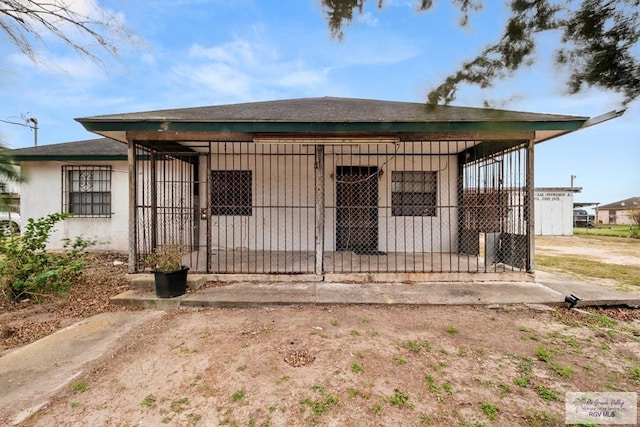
<point>28,270</point>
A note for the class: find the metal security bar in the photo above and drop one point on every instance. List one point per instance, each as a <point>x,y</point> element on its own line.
<point>394,208</point>
<point>166,202</point>
<point>286,208</point>
<point>86,191</point>
<point>495,210</point>
<point>262,208</point>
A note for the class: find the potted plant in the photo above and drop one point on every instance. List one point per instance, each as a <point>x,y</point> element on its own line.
<point>169,273</point>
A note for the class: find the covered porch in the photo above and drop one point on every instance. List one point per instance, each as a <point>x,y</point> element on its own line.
<point>335,186</point>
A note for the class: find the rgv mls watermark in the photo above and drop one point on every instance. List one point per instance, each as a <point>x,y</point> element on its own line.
<point>601,408</point>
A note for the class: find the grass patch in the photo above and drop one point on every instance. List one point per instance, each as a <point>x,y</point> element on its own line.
<point>452,330</point>
<point>546,394</point>
<point>609,230</point>
<point>503,389</point>
<point>149,401</point>
<point>417,346</point>
<point>319,407</point>
<point>399,360</point>
<point>237,396</point>
<point>79,387</point>
<point>400,399</point>
<point>635,372</point>
<point>544,354</point>
<point>490,410</point>
<point>623,274</point>
<point>564,372</point>
<point>357,368</point>
<point>179,405</point>
<point>431,384</point>
<point>525,369</point>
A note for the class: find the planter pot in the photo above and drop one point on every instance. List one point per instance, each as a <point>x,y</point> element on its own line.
<point>171,284</point>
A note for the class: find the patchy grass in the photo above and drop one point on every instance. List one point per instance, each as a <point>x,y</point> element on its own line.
<point>490,410</point>
<point>609,230</point>
<point>237,396</point>
<point>626,275</point>
<point>400,398</point>
<point>79,387</point>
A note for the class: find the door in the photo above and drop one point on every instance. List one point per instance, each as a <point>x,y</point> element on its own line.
<point>357,209</point>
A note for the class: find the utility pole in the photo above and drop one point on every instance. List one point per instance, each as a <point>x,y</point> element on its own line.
<point>572,178</point>
<point>29,122</point>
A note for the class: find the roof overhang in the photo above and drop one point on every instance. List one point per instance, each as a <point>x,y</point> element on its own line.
<point>312,119</point>
<point>248,131</point>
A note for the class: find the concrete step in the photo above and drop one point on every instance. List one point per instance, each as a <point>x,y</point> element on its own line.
<point>146,282</point>
<point>551,291</point>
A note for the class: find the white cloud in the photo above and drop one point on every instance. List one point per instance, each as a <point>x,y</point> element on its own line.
<point>244,69</point>
<point>367,18</point>
<point>73,67</point>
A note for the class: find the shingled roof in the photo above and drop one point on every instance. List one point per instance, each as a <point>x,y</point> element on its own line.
<point>331,109</point>
<point>626,204</point>
<point>91,149</point>
<point>326,116</point>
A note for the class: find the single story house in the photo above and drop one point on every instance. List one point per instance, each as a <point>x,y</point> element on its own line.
<point>619,212</point>
<point>332,188</point>
<point>86,178</point>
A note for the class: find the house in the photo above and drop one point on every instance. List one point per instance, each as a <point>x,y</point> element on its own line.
<point>554,215</point>
<point>619,212</point>
<point>336,187</point>
<point>86,178</point>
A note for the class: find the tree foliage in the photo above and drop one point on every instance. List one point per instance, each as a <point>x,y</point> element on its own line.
<point>599,44</point>
<point>8,173</point>
<point>81,25</point>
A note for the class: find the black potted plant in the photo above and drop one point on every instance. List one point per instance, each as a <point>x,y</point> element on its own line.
<point>169,273</point>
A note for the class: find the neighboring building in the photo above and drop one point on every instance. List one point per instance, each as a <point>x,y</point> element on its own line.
<point>554,210</point>
<point>10,190</point>
<point>618,212</point>
<point>86,178</point>
<point>326,186</point>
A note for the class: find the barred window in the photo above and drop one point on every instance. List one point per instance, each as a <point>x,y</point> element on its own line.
<point>231,193</point>
<point>86,191</point>
<point>414,193</point>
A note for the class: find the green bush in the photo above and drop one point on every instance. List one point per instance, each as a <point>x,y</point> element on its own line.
<point>28,270</point>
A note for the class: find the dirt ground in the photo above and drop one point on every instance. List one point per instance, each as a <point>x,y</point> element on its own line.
<point>340,365</point>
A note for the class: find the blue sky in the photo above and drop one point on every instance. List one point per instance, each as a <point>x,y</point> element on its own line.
<point>210,52</point>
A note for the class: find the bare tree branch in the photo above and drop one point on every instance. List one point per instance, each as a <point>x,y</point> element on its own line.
<point>26,22</point>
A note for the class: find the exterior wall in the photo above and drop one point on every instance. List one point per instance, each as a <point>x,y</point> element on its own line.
<point>553,213</point>
<point>614,216</point>
<point>283,193</point>
<point>41,195</point>
<point>403,233</point>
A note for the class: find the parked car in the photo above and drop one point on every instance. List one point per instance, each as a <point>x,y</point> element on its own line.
<point>581,218</point>
<point>9,223</point>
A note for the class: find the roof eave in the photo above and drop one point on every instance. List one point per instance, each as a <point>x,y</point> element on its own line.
<point>109,127</point>
<point>67,158</point>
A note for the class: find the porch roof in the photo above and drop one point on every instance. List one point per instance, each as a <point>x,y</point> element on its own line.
<point>91,149</point>
<point>330,116</point>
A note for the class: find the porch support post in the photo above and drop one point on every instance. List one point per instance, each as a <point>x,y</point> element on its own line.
<point>319,208</point>
<point>530,208</point>
<point>133,254</point>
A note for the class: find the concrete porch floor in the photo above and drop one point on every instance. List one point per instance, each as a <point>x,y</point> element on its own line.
<point>546,289</point>
<point>245,261</point>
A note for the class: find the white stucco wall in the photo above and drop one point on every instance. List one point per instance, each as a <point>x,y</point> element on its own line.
<point>41,195</point>
<point>290,180</point>
<point>553,212</point>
